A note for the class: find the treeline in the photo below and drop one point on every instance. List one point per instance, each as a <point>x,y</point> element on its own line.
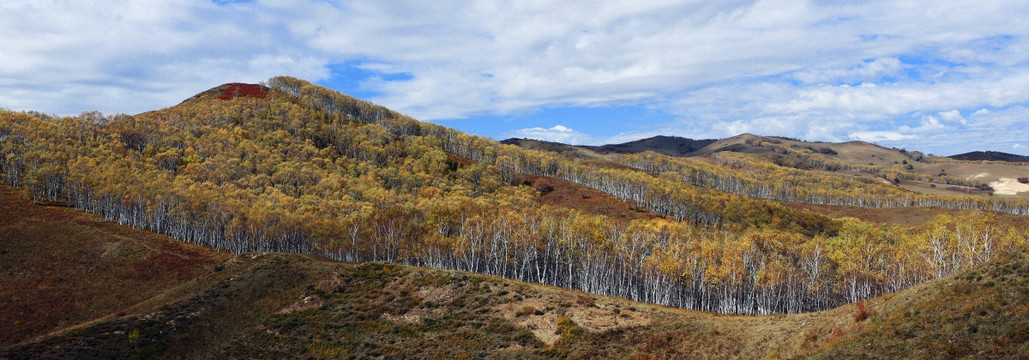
<point>809,157</point>
<point>753,176</point>
<point>311,170</point>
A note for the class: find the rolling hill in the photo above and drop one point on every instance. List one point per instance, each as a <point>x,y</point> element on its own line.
<point>357,231</point>
<point>976,173</point>
<point>289,305</point>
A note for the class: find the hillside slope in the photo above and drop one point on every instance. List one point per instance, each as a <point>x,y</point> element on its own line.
<point>268,305</point>
<point>63,268</point>
<point>289,166</point>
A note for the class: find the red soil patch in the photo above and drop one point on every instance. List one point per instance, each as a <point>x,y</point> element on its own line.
<point>571,195</point>
<point>235,90</point>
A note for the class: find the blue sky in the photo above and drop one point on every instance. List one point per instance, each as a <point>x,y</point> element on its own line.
<point>938,76</point>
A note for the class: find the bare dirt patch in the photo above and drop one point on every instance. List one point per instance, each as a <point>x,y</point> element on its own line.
<point>574,196</point>
<point>307,302</point>
<point>1009,186</point>
<point>539,315</point>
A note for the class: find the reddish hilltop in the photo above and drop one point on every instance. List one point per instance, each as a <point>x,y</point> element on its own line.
<point>235,90</point>
<point>231,91</point>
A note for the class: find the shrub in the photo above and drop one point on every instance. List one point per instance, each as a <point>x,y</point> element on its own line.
<point>862,312</point>
<point>567,328</point>
<point>525,310</point>
<point>543,186</point>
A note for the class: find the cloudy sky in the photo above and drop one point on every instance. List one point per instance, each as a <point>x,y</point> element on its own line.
<point>938,76</point>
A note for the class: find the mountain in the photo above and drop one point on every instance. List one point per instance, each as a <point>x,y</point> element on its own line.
<point>990,156</point>
<point>288,305</point>
<point>668,145</point>
<point>321,183</point>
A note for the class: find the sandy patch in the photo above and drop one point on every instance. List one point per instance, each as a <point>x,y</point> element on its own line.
<point>439,295</point>
<point>979,175</point>
<point>307,302</point>
<point>1009,186</point>
<point>410,317</point>
<point>600,317</point>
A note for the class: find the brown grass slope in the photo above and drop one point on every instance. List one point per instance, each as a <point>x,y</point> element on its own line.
<point>61,268</point>
<point>979,314</point>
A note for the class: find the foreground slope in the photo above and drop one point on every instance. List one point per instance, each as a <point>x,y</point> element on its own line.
<point>62,268</point>
<point>982,313</point>
<point>269,305</point>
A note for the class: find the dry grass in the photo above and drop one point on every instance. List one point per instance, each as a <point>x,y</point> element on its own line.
<point>62,267</point>
<point>574,196</point>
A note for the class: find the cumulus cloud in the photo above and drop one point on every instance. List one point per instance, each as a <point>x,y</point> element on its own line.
<point>878,136</point>
<point>953,116</point>
<point>811,69</point>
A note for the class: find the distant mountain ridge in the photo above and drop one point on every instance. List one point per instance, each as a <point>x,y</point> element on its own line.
<point>990,156</point>
<point>668,145</point>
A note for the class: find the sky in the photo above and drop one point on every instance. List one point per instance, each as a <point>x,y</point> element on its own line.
<point>942,77</point>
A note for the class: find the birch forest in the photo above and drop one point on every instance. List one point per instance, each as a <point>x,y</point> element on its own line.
<point>289,166</point>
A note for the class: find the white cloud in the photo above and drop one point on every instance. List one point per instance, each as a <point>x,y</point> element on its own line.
<point>877,136</point>
<point>864,71</point>
<point>811,69</point>
<point>558,133</point>
<point>953,116</point>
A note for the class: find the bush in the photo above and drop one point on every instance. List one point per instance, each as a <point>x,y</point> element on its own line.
<point>567,328</point>
<point>526,310</point>
<point>543,186</point>
<point>862,312</point>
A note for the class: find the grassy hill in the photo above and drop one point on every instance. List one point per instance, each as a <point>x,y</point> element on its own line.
<point>298,306</point>
<point>63,268</point>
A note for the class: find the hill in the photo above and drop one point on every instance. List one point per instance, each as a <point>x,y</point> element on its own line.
<point>289,305</point>
<point>541,145</point>
<point>668,145</point>
<point>910,171</point>
<point>63,268</point>
<point>990,156</point>
<point>779,227</point>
